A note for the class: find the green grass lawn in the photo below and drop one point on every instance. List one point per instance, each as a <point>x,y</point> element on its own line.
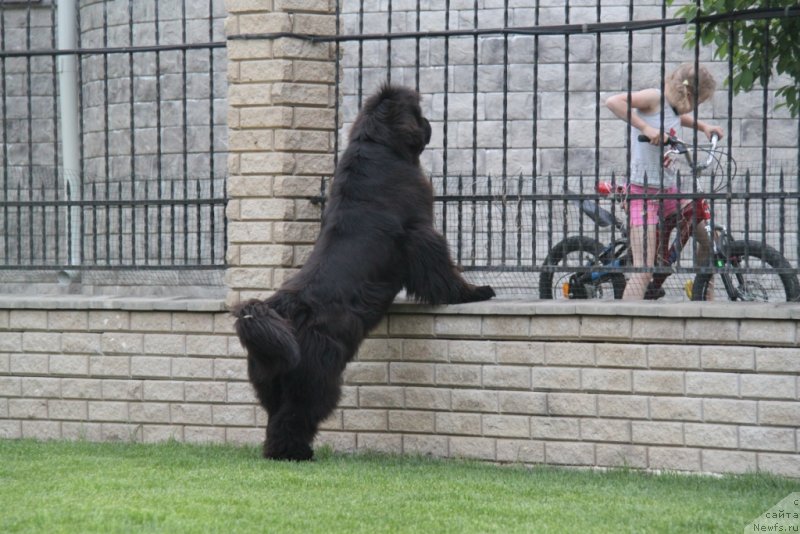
<point>85,487</point>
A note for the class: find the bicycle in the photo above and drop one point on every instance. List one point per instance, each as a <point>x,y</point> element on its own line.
<point>597,271</point>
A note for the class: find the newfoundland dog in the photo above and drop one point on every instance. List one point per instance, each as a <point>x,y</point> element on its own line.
<point>377,237</point>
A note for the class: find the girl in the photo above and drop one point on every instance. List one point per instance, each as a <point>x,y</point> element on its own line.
<point>647,158</point>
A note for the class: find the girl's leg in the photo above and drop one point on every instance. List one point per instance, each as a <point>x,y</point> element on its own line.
<point>643,254</point>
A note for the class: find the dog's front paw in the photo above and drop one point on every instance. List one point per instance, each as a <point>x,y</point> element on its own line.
<point>479,293</point>
<point>485,292</point>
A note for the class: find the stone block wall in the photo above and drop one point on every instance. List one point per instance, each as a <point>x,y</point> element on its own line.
<point>153,127</point>
<point>115,106</point>
<point>676,387</point>
<point>533,107</point>
<point>534,82</point>
<point>128,375</point>
<point>281,122</point>
<point>167,119</point>
<point>638,387</point>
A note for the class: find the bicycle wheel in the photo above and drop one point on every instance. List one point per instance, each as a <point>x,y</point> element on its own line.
<point>764,286</point>
<point>562,282</point>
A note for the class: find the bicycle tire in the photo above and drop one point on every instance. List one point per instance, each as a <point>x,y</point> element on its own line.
<point>763,253</point>
<point>567,246</point>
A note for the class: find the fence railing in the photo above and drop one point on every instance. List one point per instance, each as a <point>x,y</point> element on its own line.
<point>515,96</point>
<point>138,222</point>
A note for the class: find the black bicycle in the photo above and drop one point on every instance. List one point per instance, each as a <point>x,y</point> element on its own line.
<point>580,267</point>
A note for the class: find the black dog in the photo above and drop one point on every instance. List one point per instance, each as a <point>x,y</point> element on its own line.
<point>377,237</point>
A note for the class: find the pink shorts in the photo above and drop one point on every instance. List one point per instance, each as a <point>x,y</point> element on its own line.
<point>646,212</point>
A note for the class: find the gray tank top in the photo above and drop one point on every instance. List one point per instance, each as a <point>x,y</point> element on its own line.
<point>648,160</point>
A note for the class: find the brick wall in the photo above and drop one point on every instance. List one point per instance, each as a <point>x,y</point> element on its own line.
<point>520,384</point>
<point>679,387</point>
<point>281,124</point>
<point>371,59</point>
<point>124,375</point>
<point>519,123</point>
<point>29,26</point>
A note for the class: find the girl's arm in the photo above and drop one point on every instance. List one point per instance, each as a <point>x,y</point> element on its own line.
<point>688,121</point>
<point>647,101</point>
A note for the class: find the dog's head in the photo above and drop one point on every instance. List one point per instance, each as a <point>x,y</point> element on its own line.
<point>393,117</point>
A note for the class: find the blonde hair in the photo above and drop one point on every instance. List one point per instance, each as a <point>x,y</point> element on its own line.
<point>680,86</point>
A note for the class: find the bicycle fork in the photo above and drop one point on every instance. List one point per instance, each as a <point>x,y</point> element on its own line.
<point>715,238</point>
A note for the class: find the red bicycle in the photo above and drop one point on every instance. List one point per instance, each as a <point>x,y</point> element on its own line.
<point>580,267</point>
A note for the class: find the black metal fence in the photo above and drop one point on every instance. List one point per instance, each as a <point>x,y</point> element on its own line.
<point>148,139</point>
<point>523,140</point>
<point>143,223</point>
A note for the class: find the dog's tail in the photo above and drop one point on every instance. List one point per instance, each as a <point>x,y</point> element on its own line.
<point>267,337</point>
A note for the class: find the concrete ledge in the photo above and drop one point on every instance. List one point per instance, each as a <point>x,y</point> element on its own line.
<point>715,310</point>
<point>756,324</point>
<point>710,310</point>
<point>102,302</point>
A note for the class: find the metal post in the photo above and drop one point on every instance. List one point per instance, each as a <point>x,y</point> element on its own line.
<point>70,125</point>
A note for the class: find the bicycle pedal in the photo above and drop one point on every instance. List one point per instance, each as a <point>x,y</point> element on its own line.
<point>688,287</point>
<point>565,290</point>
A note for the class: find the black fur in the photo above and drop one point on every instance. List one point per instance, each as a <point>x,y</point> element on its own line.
<point>377,237</point>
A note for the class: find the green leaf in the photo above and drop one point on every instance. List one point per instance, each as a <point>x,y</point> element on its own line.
<point>753,58</point>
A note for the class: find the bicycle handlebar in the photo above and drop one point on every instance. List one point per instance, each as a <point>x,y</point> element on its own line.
<point>672,140</point>
<point>681,147</point>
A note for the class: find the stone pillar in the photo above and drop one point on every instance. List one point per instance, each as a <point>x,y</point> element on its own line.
<point>281,136</point>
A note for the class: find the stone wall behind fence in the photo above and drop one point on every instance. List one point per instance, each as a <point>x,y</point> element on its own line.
<point>534,84</point>
<point>678,387</point>
<point>116,103</point>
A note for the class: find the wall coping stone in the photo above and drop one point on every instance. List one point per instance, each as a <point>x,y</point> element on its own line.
<point>715,310</point>
<point>110,302</point>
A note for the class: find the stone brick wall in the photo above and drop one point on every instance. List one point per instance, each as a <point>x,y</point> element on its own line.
<point>124,375</point>
<point>643,388</point>
<point>678,387</point>
<point>370,61</point>
<point>540,105</point>
<point>153,126</point>
<point>177,98</point>
<point>281,123</point>
<point>106,83</point>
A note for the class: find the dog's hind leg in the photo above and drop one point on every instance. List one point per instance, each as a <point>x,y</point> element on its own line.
<point>309,395</point>
<point>270,392</point>
<point>291,430</point>
<point>432,276</point>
